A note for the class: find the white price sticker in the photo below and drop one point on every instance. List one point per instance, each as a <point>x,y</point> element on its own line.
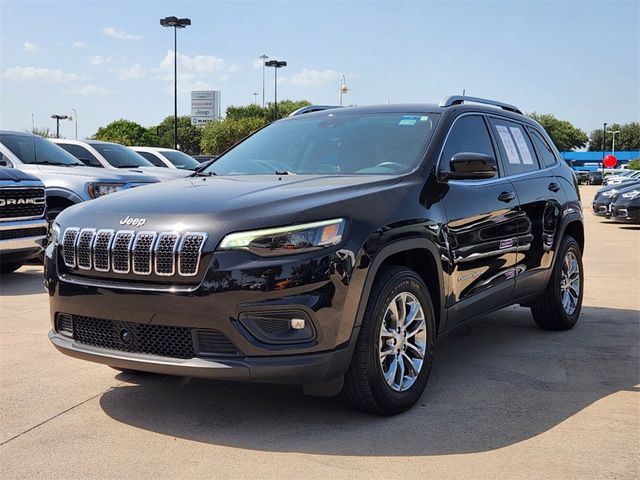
<point>507,143</point>
<point>523,148</point>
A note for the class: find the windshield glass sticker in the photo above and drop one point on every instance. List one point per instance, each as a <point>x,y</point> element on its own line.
<point>523,148</point>
<point>408,120</point>
<point>507,143</point>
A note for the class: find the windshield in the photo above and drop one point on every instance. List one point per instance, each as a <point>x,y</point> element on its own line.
<point>121,157</point>
<point>180,160</point>
<point>35,149</point>
<point>332,144</point>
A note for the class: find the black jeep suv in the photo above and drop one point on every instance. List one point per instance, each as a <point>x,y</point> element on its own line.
<point>329,249</point>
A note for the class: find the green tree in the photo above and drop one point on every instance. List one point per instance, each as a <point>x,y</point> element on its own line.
<point>126,132</point>
<point>285,107</point>
<point>634,164</point>
<point>563,133</point>
<point>246,111</point>
<point>189,136</point>
<point>219,136</point>
<point>628,140</point>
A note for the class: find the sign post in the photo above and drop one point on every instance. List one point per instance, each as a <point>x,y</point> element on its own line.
<point>205,106</point>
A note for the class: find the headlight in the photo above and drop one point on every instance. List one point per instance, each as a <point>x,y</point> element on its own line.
<point>54,233</point>
<point>96,190</point>
<point>287,240</point>
<point>632,194</point>
<point>610,193</point>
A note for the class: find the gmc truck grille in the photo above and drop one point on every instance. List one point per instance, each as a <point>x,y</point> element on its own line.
<point>123,251</point>
<point>25,202</point>
<point>163,340</point>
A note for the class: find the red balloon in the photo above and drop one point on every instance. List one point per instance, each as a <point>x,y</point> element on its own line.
<point>610,161</point>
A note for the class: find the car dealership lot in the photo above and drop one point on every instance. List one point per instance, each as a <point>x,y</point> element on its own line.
<point>504,400</point>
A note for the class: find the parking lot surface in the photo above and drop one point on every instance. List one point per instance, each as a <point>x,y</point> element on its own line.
<point>505,400</point>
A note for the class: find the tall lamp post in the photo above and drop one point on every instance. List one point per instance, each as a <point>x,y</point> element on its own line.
<point>604,136</point>
<point>264,58</point>
<point>613,141</point>
<point>58,118</point>
<point>276,64</point>
<point>176,23</point>
<point>343,87</point>
<point>255,98</point>
<point>75,120</point>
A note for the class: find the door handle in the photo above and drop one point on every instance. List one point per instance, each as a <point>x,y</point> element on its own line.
<point>506,196</point>
<point>554,187</point>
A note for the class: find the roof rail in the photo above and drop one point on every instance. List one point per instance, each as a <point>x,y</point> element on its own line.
<point>311,108</point>
<point>460,99</point>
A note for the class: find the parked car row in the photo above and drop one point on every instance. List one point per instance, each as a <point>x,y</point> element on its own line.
<point>619,202</point>
<point>40,178</point>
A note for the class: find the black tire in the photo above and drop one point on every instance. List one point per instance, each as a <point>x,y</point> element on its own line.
<point>548,311</point>
<point>365,387</point>
<point>10,267</point>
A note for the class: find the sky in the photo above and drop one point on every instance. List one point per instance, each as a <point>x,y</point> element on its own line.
<point>110,60</point>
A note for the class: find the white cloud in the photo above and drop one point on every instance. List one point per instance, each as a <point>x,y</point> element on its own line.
<point>312,78</point>
<point>224,78</point>
<point>79,44</point>
<point>233,68</point>
<point>119,34</point>
<point>37,73</point>
<point>100,60</point>
<point>198,64</point>
<point>30,47</point>
<point>89,91</point>
<point>134,71</point>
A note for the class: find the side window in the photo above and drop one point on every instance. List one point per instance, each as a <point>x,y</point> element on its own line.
<point>469,134</point>
<point>547,157</point>
<point>516,150</point>
<point>82,154</point>
<point>152,158</point>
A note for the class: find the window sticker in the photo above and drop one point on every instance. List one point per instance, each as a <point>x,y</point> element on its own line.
<point>523,148</point>
<point>408,120</point>
<point>507,143</point>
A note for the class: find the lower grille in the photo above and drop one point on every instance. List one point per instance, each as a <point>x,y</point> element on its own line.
<point>22,233</point>
<point>162,340</point>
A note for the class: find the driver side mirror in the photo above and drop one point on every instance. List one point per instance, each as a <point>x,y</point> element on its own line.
<point>470,166</point>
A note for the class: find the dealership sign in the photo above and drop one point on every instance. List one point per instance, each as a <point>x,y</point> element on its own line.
<point>205,106</point>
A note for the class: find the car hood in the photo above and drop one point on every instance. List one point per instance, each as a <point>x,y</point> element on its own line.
<point>92,174</point>
<point>219,205</point>
<point>15,175</point>
<point>161,173</point>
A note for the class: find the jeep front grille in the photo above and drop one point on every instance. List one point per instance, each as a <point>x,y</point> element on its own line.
<point>122,251</point>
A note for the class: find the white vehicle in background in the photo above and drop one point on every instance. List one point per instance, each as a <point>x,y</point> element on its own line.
<point>626,176</point>
<point>114,156</point>
<point>167,158</point>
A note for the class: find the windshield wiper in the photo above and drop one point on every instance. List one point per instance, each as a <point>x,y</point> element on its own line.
<point>129,166</point>
<point>49,162</point>
<point>283,172</point>
<point>203,174</point>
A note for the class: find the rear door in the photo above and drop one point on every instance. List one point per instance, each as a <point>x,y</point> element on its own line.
<point>530,164</point>
<point>481,229</point>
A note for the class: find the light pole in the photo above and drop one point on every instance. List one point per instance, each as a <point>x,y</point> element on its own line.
<point>75,120</point>
<point>176,23</point>
<point>343,87</point>
<point>255,98</point>
<point>58,118</point>
<point>264,59</point>
<point>604,136</point>
<point>613,141</point>
<point>276,64</point>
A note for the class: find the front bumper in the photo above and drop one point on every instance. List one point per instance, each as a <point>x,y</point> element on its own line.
<point>19,241</point>
<point>602,209</point>
<point>320,289</point>
<point>625,213</point>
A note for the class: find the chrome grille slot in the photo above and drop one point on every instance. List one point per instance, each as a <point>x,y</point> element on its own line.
<point>142,248</point>
<point>83,248</point>
<point>189,253</point>
<point>102,250</point>
<point>165,253</point>
<point>69,246</point>
<point>121,251</point>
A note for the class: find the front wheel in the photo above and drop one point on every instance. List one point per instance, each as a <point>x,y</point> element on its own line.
<point>393,355</point>
<point>559,306</point>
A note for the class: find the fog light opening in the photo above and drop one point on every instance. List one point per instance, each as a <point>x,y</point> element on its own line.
<point>298,323</point>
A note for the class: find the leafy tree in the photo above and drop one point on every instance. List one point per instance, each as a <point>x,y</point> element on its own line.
<point>219,136</point>
<point>285,107</point>
<point>42,131</point>
<point>189,136</point>
<point>246,111</point>
<point>634,164</point>
<point>126,132</point>
<point>627,140</point>
<point>562,132</point>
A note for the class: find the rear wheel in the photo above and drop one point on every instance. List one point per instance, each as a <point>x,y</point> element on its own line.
<point>392,359</point>
<point>559,306</point>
